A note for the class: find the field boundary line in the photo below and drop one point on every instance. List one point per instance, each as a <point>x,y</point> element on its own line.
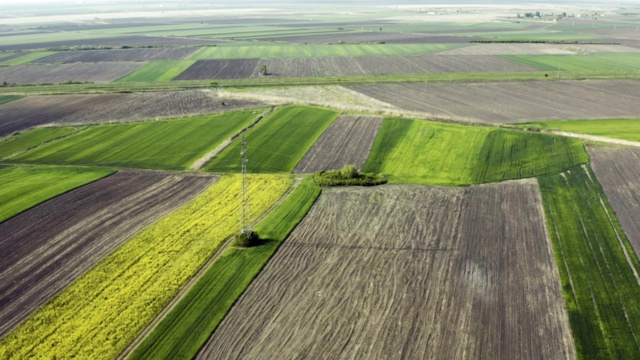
<point>597,138</point>
<point>203,161</point>
<point>194,279</point>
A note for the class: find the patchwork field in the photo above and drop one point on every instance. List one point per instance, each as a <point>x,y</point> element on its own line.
<point>346,142</point>
<point>371,37</point>
<point>118,55</point>
<point>431,153</point>
<point>598,268</point>
<point>49,246</point>
<point>618,170</point>
<point>188,326</point>
<point>25,187</point>
<point>140,277</point>
<point>17,144</point>
<point>537,49</point>
<point>23,58</point>
<point>514,101</point>
<point>56,41</point>
<point>346,66</point>
<point>168,144</point>
<point>53,74</point>
<point>345,285</point>
<point>87,109</point>
<point>626,129</point>
<point>592,62</point>
<point>158,71</point>
<point>278,142</point>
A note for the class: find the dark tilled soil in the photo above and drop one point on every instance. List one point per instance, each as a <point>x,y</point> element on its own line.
<point>118,55</point>
<point>134,40</point>
<point>45,248</point>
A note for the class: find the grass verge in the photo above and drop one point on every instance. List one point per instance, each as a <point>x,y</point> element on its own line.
<point>625,129</point>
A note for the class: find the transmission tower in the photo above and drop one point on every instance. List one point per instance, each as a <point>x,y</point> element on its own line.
<point>245,211</point>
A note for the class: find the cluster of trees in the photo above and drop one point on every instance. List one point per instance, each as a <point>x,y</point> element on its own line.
<point>347,176</point>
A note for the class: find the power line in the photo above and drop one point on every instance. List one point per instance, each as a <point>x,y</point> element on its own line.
<point>245,212</point>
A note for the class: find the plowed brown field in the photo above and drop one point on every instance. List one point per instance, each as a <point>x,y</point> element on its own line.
<point>514,101</point>
<point>118,55</point>
<point>346,142</point>
<point>407,272</point>
<point>54,74</point>
<point>618,170</point>
<point>45,248</point>
<point>133,40</point>
<point>72,109</point>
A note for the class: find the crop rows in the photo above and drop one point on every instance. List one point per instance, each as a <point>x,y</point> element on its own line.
<point>407,271</point>
<point>17,144</point>
<point>278,142</point>
<point>423,152</point>
<point>172,144</point>
<point>54,74</point>
<point>103,311</point>
<point>47,247</point>
<point>117,55</point>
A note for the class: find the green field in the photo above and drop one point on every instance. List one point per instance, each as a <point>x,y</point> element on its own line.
<point>8,98</point>
<point>28,57</point>
<point>278,142</point>
<point>315,50</point>
<point>157,71</point>
<point>534,35</point>
<point>431,153</point>
<point>26,186</point>
<point>188,326</point>
<point>596,264</point>
<point>18,143</point>
<point>626,129</point>
<point>582,63</point>
<point>171,144</point>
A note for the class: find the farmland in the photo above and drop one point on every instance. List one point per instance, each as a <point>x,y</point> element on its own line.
<point>47,247</point>
<point>220,69</point>
<point>19,143</point>
<point>53,41</point>
<point>356,278</point>
<point>626,129</point>
<point>202,309</point>
<point>514,101</point>
<point>87,109</point>
<point>8,98</point>
<point>592,62</point>
<point>53,74</point>
<point>23,58</point>
<point>118,55</point>
<point>24,187</point>
<point>158,71</point>
<point>618,170</point>
<point>169,144</point>
<point>537,49</point>
<point>346,142</point>
<point>598,269</point>
<point>141,277</point>
<point>422,152</point>
<point>296,127</point>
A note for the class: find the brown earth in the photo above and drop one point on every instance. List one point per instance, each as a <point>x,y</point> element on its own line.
<point>502,102</point>
<point>45,248</point>
<point>54,74</point>
<point>346,142</point>
<point>407,272</point>
<point>118,55</point>
<point>618,170</point>
<point>84,109</point>
<point>134,40</point>
<point>220,69</point>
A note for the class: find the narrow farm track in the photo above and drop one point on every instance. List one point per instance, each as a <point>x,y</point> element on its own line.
<point>49,246</point>
<point>602,139</point>
<point>356,280</point>
<point>346,142</point>
<point>618,171</point>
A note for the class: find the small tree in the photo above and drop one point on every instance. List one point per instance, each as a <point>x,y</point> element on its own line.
<point>349,172</point>
<point>263,70</point>
<point>246,239</point>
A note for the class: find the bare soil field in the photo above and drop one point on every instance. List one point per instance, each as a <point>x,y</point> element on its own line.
<point>117,55</point>
<point>134,40</point>
<point>221,69</point>
<point>618,170</point>
<point>346,142</point>
<point>82,109</point>
<point>407,272</point>
<point>12,56</point>
<point>537,49</point>
<point>369,37</point>
<point>514,101</point>
<point>47,247</point>
<point>54,74</point>
<point>345,66</point>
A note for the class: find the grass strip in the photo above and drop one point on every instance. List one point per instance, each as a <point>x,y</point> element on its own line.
<point>28,57</point>
<point>157,71</point>
<point>170,144</point>
<point>105,309</point>
<point>8,98</point>
<point>278,142</point>
<point>625,129</point>
<point>188,326</point>
<point>24,187</point>
<point>598,267</point>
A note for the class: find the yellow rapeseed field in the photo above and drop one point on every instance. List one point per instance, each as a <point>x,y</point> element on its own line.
<point>97,316</point>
